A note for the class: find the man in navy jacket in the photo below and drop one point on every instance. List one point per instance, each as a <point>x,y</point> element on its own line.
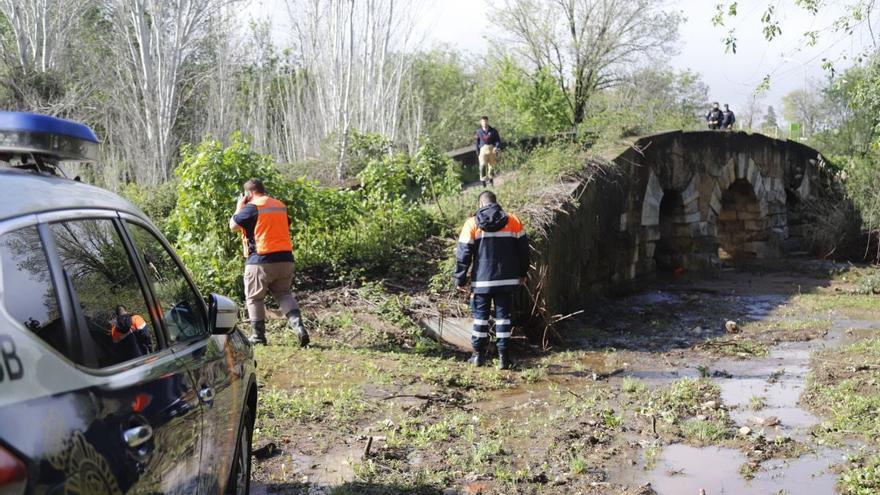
<point>488,145</point>
<point>494,250</point>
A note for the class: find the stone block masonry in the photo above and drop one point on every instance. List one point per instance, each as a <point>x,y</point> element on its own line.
<point>677,201</point>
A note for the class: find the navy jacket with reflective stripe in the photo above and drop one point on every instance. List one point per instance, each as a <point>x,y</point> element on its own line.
<point>495,260</point>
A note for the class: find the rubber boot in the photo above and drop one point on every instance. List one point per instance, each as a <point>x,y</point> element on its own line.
<point>504,362</point>
<point>294,318</point>
<point>476,359</point>
<point>259,334</point>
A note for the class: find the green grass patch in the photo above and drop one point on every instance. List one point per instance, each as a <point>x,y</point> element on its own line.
<point>704,432</point>
<point>534,375</point>
<point>578,465</point>
<point>423,432</point>
<point>633,386</point>
<point>846,303</point>
<point>845,388</point>
<point>756,402</point>
<point>861,479</point>
<point>278,406</point>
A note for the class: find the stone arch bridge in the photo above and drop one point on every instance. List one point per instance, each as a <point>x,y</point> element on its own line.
<point>681,201</point>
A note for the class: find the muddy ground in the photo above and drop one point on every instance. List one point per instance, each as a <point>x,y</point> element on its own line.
<point>649,393</point>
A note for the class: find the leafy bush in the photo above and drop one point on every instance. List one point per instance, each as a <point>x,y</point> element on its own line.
<point>344,232</point>
<point>209,181</point>
<point>427,174</point>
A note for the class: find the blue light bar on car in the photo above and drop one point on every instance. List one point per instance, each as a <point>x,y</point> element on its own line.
<point>22,132</point>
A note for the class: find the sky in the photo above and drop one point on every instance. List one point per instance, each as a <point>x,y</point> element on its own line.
<point>731,78</point>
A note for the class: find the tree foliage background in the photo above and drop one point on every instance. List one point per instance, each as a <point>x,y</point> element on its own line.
<point>347,117</point>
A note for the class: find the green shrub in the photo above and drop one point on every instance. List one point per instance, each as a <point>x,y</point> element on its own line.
<point>346,232</point>
<point>428,174</point>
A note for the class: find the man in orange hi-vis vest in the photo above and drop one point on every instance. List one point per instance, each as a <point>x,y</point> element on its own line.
<point>265,234</point>
<point>130,335</point>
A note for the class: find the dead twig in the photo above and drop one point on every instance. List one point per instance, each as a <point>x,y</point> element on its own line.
<point>367,447</point>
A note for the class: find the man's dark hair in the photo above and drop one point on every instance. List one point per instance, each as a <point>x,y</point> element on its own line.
<point>120,310</point>
<point>255,185</point>
<point>488,196</point>
<point>484,117</point>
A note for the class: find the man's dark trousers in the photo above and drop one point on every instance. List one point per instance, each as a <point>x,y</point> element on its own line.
<point>480,306</point>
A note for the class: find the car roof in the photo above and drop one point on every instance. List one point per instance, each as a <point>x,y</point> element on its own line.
<point>23,193</point>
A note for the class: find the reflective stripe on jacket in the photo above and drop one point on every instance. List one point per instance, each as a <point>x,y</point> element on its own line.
<point>272,232</point>
<point>495,261</point>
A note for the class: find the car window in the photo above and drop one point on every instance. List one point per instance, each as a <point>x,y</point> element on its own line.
<point>28,294</point>
<point>178,301</point>
<point>100,274</point>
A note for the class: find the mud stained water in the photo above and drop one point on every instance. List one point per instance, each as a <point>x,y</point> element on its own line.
<point>770,387</point>
<point>686,470</point>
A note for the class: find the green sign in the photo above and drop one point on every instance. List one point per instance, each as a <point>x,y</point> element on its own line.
<point>794,130</point>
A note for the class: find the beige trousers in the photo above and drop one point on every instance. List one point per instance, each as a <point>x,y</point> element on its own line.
<point>268,277</point>
<point>488,159</point>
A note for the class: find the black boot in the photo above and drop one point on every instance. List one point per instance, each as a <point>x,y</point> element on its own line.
<point>294,318</point>
<point>476,359</point>
<point>504,362</point>
<point>259,333</point>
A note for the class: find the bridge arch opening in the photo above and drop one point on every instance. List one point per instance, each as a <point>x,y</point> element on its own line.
<point>675,234</point>
<point>742,226</point>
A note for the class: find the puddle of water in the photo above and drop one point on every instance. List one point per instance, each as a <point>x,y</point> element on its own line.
<point>656,297</point>
<point>329,469</point>
<point>761,306</point>
<point>685,470</point>
<point>790,418</point>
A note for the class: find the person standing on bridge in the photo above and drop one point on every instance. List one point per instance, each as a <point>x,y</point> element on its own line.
<point>265,233</point>
<point>727,118</point>
<point>714,117</point>
<point>494,250</point>
<point>488,146</point>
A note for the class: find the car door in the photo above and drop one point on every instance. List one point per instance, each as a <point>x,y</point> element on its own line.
<point>215,364</point>
<point>146,417</point>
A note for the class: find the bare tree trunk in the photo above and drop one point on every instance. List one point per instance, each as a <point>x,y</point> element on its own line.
<point>154,41</point>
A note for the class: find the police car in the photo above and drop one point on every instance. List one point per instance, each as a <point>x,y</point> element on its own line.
<point>116,375</point>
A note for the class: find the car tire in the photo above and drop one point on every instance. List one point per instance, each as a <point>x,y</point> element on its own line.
<point>240,474</point>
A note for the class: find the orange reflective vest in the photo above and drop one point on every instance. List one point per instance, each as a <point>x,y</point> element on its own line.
<point>272,232</point>
<point>137,323</point>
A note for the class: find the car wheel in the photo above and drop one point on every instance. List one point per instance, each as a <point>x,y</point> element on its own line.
<point>240,476</point>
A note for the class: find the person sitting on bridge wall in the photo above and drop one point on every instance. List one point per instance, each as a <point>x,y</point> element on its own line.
<point>495,245</point>
<point>714,117</point>
<point>727,118</point>
<point>488,146</point>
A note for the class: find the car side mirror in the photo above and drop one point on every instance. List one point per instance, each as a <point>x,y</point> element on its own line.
<point>223,314</point>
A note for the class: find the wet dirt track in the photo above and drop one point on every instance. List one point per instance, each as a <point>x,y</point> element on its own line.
<point>599,414</point>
